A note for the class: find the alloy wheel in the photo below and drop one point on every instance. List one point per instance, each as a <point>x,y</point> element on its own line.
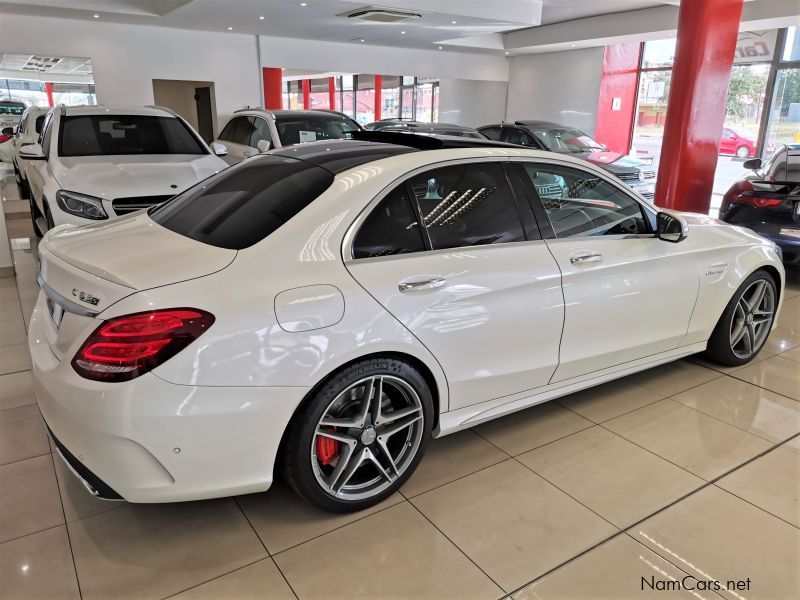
<point>367,437</point>
<point>743,152</point>
<point>752,319</point>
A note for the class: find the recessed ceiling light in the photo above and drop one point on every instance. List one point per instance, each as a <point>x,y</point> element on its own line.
<point>507,53</point>
<point>304,4</point>
<point>454,22</point>
<point>440,47</point>
<point>361,40</point>
<point>572,45</point>
<point>230,28</point>
<point>96,16</point>
<point>261,18</point>
<point>402,33</point>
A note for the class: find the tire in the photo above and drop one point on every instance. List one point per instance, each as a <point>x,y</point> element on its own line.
<point>48,217</point>
<point>743,152</point>
<point>333,466</point>
<point>22,185</point>
<point>742,330</point>
<point>35,215</point>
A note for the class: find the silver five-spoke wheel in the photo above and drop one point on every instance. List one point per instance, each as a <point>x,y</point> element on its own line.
<point>367,437</point>
<point>752,319</point>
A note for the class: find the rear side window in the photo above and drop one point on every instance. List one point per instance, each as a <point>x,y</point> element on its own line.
<point>242,205</point>
<point>238,130</point>
<point>391,228</point>
<point>493,133</point>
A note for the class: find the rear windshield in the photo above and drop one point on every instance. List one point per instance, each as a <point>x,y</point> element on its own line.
<point>301,128</point>
<point>11,108</point>
<point>99,135</point>
<point>242,205</point>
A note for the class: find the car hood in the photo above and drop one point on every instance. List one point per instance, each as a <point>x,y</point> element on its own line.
<point>614,161</point>
<point>112,177</point>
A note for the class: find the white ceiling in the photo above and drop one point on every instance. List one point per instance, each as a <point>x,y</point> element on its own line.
<point>318,20</point>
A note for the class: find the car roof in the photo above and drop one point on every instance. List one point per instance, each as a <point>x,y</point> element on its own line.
<point>155,111</point>
<point>542,124</point>
<point>278,113</point>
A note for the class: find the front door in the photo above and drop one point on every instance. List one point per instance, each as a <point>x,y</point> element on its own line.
<point>628,295</point>
<point>447,254</point>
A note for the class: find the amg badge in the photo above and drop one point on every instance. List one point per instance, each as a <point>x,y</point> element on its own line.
<point>85,297</point>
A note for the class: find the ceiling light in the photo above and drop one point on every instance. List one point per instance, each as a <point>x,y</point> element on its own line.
<point>96,16</point>
<point>361,40</point>
<point>454,22</point>
<point>402,33</point>
<point>261,18</point>
<point>304,4</point>
<point>440,48</point>
<point>507,52</point>
<point>230,28</point>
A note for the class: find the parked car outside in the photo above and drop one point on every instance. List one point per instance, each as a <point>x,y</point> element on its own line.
<point>93,163</point>
<point>250,128</point>
<point>27,132</point>
<point>323,310</point>
<point>430,128</point>
<point>767,200</point>
<point>544,135</point>
<point>10,114</point>
<point>732,142</point>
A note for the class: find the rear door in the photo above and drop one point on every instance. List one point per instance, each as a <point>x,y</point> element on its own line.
<point>454,257</point>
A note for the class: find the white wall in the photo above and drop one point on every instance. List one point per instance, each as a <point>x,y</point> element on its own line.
<point>126,58</point>
<point>557,86</point>
<point>472,103</point>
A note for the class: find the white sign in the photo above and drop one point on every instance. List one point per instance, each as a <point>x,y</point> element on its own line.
<point>616,103</point>
<point>307,136</point>
<point>755,46</point>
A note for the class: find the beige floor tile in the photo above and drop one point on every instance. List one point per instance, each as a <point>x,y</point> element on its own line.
<point>771,482</point>
<point>613,477</point>
<point>714,535</point>
<point>14,358</point>
<point>780,340</point>
<point>29,499</point>
<point>154,550</point>
<point>511,522</point>
<point>688,438</point>
<point>613,571</point>
<point>790,314</point>
<point>16,389</point>
<point>394,554</point>
<point>609,400</point>
<point>260,580</point>
<point>746,406</point>
<point>673,378</point>
<point>10,310</point>
<point>12,333</point>
<point>777,374</point>
<point>449,458</point>
<point>38,566</point>
<point>78,503</point>
<point>531,428</point>
<point>793,354</point>
<point>282,519</point>
<point>22,434</point>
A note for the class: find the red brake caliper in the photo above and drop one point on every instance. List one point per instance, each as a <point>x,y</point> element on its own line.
<point>327,449</point>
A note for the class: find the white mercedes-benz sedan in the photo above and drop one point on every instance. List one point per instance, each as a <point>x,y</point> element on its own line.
<point>323,310</point>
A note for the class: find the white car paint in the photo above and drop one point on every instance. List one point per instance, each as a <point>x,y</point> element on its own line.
<point>26,133</point>
<point>293,308</point>
<point>111,176</point>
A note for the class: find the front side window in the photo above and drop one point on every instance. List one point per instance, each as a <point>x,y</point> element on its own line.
<point>580,204</point>
<point>493,133</point>
<point>260,132</point>
<point>47,134</point>
<point>302,128</point>
<point>107,134</point>
<point>391,228</point>
<point>513,135</point>
<point>467,205</point>
<point>39,123</point>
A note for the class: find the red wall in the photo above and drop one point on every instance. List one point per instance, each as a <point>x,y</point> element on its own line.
<point>620,79</point>
<point>273,84</point>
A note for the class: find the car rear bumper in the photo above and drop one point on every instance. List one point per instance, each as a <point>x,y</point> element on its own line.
<point>148,440</point>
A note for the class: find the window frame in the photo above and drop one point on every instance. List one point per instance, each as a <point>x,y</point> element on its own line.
<point>543,221</point>
<point>530,228</point>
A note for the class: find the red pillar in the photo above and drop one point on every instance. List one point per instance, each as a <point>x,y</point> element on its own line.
<point>378,94</point>
<point>331,93</point>
<point>707,33</point>
<point>618,96</point>
<point>48,87</point>
<point>273,88</point>
<point>306,94</point>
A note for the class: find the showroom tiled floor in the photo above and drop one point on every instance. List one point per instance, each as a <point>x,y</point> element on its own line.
<point>685,469</point>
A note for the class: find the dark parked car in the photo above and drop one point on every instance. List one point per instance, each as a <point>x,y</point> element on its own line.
<point>767,200</point>
<point>543,135</point>
<point>418,127</point>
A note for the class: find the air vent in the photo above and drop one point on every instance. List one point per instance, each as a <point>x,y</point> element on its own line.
<point>382,15</point>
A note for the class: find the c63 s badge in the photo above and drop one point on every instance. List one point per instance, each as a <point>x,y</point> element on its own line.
<point>85,297</point>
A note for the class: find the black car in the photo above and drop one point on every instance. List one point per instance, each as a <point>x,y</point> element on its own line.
<point>767,200</point>
<point>432,128</point>
<point>544,135</point>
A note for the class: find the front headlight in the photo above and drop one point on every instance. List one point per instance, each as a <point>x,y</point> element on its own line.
<point>81,205</point>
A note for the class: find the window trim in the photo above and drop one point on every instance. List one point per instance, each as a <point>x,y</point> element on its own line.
<point>352,231</point>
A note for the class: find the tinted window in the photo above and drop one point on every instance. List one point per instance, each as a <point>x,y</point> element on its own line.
<point>242,205</point>
<point>260,132</point>
<point>47,134</point>
<point>301,128</point>
<point>467,205</point>
<point>237,131</point>
<point>391,228</point>
<point>11,108</point>
<point>567,141</point>
<point>39,123</point>
<point>579,204</point>
<point>94,135</point>
<point>512,135</point>
<point>493,133</point>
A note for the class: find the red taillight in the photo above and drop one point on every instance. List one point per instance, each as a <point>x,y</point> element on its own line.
<point>125,347</point>
<point>5,138</point>
<point>742,193</point>
<point>761,202</point>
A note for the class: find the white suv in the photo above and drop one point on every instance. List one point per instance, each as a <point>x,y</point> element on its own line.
<point>253,130</point>
<point>97,162</point>
<point>10,113</point>
<point>28,130</point>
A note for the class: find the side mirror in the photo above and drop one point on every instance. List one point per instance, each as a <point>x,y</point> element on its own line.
<point>219,149</point>
<point>754,164</point>
<point>671,228</point>
<point>32,152</point>
<point>264,146</point>
<point>7,131</point>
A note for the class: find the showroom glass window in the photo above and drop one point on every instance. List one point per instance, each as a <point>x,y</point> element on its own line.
<point>95,135</point>
<point>580,204</point>
<point>391,228</point>
<point>467,205</point>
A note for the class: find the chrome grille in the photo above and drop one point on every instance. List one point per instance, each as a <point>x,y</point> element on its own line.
<point>124,206</point>
<point>648,174</point>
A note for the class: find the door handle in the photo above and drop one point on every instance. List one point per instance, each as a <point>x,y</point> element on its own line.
<point>424,284</point>
<point>588,256</point>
